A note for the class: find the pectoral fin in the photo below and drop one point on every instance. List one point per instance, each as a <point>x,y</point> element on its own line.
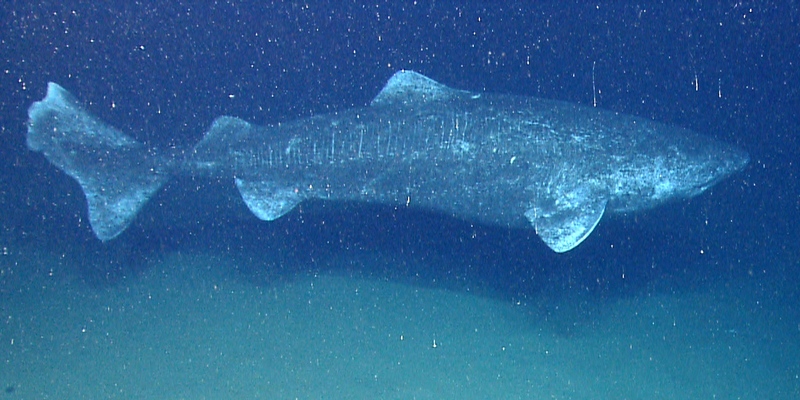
<point>267,200</point>
<point>563,222</point>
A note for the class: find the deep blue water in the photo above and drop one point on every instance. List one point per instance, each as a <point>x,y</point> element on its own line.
<point>162,71</point>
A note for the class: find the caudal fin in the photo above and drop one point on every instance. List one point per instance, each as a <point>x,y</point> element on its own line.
<point>117,174</point>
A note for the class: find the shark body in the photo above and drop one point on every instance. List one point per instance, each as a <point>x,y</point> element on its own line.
<point>499,159</point>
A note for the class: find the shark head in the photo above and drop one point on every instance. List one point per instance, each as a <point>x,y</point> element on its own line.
<point>707,166</point>
<point>684,168</point>
<point>658,164</point>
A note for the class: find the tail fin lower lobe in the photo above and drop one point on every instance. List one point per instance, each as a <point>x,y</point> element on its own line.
<point>118,174</point>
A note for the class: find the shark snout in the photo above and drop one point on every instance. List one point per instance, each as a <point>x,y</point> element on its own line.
<point>736,160</point>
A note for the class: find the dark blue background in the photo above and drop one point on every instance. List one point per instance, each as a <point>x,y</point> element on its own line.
<point>162,71</point>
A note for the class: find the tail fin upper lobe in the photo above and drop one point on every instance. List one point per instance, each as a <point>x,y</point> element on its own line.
<point>118,175</point>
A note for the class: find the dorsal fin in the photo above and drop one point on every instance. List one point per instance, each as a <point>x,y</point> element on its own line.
<point>409,86</point>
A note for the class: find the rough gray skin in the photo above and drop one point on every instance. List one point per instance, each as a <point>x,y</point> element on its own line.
<point>497,159</point>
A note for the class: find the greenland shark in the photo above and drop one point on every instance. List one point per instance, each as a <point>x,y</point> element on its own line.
<point>497,159</point>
